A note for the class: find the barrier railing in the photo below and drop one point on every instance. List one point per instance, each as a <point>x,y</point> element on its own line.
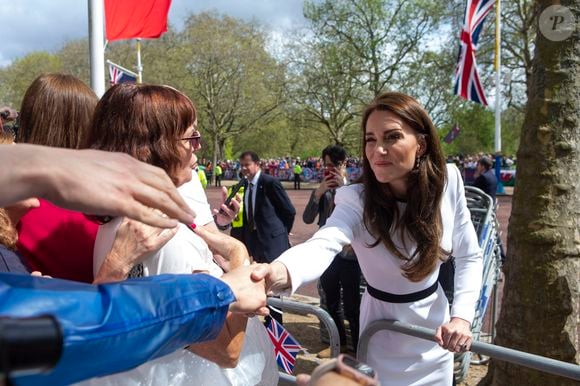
<point>483,217</point>
<point>537,362</point>
<point>308,309</point>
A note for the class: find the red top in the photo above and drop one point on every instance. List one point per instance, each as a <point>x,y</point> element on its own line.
<point>57,242</point>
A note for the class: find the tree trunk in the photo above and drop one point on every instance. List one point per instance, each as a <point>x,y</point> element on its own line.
<point>541,296</point>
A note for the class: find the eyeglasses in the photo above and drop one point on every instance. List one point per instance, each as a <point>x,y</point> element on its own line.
<point>193,140</point>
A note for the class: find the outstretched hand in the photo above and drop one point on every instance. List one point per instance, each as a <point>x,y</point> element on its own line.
<point>233,251</point>
<point>250,293</point>
<point>93,182</point>
<point>275,274</point>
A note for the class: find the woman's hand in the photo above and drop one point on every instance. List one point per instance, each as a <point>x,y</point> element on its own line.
<point>275,274</point>
<point>455,336</point>
<point>134,241</point>
<point>226,213</point>
<point>230,253</point>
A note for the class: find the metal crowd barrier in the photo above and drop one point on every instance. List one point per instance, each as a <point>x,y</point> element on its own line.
<point>307,309</point>
<point>548,365</point>
<point>483,217</point>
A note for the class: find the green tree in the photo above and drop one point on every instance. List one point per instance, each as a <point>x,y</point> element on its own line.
<point>324,86</point>
<point>16,78</point>
<point>541,297</point>
<point>386,35</point>
<point>236,84</point>
<point>477,130</point>
<point>74,56</point>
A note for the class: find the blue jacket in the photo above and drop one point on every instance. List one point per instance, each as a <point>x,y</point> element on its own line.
<point>115,327</point>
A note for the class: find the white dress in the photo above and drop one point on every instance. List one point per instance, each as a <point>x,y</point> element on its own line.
<point>184,253</point>
<point>399,359</point>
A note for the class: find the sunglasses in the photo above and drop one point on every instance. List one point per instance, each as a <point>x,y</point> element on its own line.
<point>193,140</point>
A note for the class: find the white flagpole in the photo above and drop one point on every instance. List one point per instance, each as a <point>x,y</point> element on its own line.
<point>97,46</point>
<point>139,65</point>
<point>497,65</point>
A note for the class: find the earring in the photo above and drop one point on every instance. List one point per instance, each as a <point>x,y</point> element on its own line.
<point>417,163</point>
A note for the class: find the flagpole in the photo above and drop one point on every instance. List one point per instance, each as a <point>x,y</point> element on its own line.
<point>497,65</point>
<point>96,46</point>
<point>139,65</point>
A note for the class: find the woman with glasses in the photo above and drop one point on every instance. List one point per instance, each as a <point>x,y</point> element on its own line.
<point>405,216</point>
<point>158,125</point>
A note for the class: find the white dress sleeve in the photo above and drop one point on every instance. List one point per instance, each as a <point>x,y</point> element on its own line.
<point>466,250</point>
<point>308,261</point>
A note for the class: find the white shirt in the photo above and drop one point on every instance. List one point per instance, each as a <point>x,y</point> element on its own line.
<point>254,183</point>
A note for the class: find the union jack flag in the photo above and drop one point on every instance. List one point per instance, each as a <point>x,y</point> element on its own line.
<point>286,348</point>
<point>467,82</point>
<point>119,76</point>
<point>453,133</point>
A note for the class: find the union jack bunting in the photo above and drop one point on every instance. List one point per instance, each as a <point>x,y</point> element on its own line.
<point>119,76</point>
<point>286,348</point>
<point>467,82</point>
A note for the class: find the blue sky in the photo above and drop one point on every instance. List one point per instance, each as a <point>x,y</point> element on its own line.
<point>32,25</point>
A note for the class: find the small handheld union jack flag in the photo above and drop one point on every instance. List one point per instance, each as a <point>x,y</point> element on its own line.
<point>286,348</point>
<point>467,82</point>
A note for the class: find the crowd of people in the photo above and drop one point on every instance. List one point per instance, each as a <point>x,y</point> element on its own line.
<point>283,168</point>
<point>103,193</point>
<point>311,169</point>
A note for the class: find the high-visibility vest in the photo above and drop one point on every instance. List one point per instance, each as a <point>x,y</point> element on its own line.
<point>297,169</point>
<point>202,177</point>
<point>238,221</point>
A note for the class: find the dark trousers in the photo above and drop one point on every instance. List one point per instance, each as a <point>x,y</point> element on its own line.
<point>296,181</point>
<point>218,180</point>
<point>346,274</point>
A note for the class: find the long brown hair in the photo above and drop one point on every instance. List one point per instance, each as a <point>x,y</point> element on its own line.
<point>421,220</point>
<point>56,111</point>
<point>8,234</point>
<point>144,121</point>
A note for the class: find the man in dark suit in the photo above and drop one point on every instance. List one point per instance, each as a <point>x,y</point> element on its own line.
<point>268,215</point>
<point>268,212</point>
<point>486,180</point>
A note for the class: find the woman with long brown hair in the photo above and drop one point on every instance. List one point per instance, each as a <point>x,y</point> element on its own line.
<point>405,216</point>
<point>56,111</point>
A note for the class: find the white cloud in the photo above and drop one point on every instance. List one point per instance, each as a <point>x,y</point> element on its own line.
<point>33,25</point>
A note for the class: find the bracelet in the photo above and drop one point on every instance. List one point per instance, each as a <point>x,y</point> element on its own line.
<point>220,227</point>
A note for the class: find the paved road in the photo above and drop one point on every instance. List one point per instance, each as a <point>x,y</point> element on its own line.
<point>301,231</point>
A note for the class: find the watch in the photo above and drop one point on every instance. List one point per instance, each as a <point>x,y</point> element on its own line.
<point>220,227</point>
<point>349,367</point>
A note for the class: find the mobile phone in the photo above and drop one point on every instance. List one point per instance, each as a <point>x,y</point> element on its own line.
<point>235,189</point>
<point>326,173</point>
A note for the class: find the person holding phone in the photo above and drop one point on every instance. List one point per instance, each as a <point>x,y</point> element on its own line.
<point>343,275</point>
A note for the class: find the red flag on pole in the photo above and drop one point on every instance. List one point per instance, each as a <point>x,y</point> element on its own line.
<point>128,19</point>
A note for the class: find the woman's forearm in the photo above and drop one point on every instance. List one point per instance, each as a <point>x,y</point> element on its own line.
<point>225,350</point>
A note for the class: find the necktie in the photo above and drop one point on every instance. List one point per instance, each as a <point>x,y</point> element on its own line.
<point>251,207</point>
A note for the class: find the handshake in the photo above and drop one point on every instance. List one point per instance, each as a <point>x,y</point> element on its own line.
<point>250,283</point>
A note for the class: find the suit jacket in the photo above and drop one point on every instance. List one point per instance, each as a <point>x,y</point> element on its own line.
<point>487,182</point>
<point>273,217</point>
